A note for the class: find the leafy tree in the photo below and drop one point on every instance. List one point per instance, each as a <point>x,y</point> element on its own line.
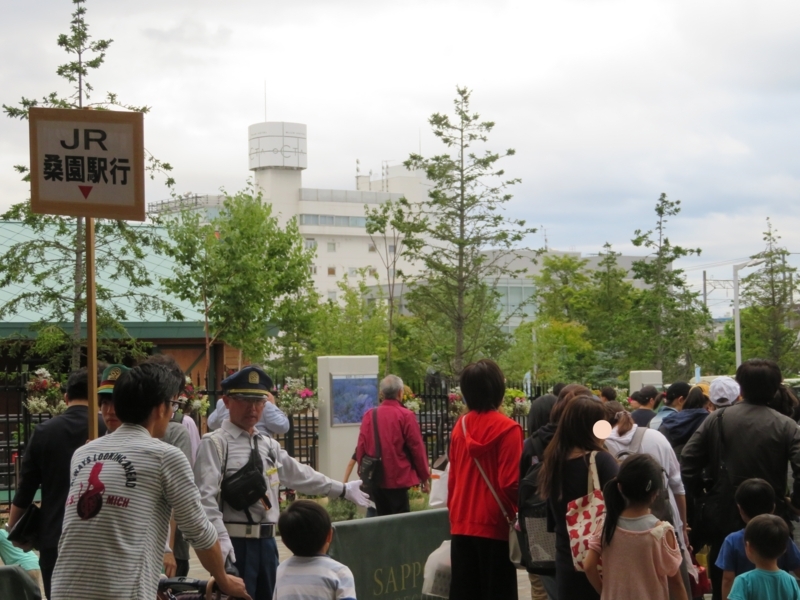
<point>242,271</point>
<point>354,326</point>
<point>768,293</point>
<point>463,219</point>
<point>609,300</point>
<point>392,228</point>
<point>54,270</point>
<point>668,314</point>
<point>561,288</point>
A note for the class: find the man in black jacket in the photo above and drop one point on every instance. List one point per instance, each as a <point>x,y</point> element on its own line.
<point>46,462</point>
<point>758,442</point>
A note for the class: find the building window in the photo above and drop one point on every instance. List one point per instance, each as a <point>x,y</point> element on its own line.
<point>373,272</point>
<point>373,248</point>
<point>352,272</point>
<point>332,296</point>
<point>391,248</point>
<point>313,269</point>
<point>310,243</point>
<point>332,271</point>
<point>331,246</point>
<point>333,220</point>
<point>390,273</point>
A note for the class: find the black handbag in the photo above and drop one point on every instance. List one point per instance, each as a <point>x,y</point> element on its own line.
<point>248,485</point>
<point>26,530</point>
<point>371,467</point>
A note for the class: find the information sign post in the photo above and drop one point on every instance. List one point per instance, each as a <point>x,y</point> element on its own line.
<point>87,163</point>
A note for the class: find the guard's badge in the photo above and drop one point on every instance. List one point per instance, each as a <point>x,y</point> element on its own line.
<point>253,377</point>
<point>114,374</point>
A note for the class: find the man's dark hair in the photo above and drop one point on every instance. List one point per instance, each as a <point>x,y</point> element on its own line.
<point>558,387</point>
<point>482,385</point>
<point>140,390</point>
<point>768,535</point>
<point>679,389</point>
<point>648,394</point>
<point>169,363</point>
<point>609,393</point>
<point>759,380</point>
<point>637,397</point>
<point>78,383</point>
<point>755,497</point>
<point>304,527</point>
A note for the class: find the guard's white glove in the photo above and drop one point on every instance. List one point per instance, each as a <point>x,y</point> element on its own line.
<point>352,492</point>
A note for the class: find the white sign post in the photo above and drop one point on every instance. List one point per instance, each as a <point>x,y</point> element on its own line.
<point>88,163</point>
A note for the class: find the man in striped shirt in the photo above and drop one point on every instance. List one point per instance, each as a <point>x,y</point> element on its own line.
<point>123,488</point>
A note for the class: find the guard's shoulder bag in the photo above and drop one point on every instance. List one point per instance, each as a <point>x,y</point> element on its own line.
<point>248,485</point>
<point>537,544</point>
<point>371,467</point>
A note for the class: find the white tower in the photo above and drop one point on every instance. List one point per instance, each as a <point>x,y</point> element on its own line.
<point>278,155</point>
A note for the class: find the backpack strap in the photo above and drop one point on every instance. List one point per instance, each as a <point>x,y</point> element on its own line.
<point>636,442</point>
<point>375,433</point>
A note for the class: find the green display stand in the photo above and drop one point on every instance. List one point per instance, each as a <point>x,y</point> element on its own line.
<point>387,554</point>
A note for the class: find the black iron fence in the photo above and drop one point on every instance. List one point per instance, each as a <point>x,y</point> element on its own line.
<point>436,419</point>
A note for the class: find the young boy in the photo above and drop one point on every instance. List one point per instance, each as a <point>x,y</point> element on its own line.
<point>766,537</point>
<point>306,530</point>
<point>754,497</point>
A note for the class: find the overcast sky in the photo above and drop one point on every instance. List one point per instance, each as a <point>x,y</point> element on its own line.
<point>608,103</point>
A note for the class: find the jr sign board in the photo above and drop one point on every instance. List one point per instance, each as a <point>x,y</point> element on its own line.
<point>87,163</point>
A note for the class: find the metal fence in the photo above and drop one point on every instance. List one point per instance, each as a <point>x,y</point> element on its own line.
<point>435,418</point>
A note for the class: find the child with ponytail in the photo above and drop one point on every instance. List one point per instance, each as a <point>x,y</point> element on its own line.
<point>640,554</point>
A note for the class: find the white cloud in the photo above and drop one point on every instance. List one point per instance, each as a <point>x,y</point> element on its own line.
<point>608,103</point>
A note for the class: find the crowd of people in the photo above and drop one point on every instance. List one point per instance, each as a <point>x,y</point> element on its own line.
<point>695,466</point>
<point>114,509</point>
<point>690,467</point>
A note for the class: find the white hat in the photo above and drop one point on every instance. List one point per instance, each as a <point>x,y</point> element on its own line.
<point>724,391</point>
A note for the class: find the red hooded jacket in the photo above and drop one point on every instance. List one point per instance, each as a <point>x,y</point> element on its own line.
<point>496,441</point>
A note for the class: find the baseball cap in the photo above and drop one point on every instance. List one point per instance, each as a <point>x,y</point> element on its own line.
<point>724,391</point>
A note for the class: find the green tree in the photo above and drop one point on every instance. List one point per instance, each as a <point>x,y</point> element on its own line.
<point>354,325</point>
<point>242,270</point>
<point>611,329</point>
<point>670,317</point>
<point>768,293</point>
<point>561,288</point>
<point>463,220</point>
<point>61,260</point>
<point>392,227</point>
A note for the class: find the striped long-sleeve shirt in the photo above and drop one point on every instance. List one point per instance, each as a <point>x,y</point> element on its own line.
<point>123,488</point>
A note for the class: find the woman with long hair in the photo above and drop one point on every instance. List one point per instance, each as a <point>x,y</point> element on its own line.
<point>478,525</point>
<point>564,477</point>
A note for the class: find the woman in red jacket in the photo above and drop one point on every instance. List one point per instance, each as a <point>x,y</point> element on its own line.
<point>479,531</point>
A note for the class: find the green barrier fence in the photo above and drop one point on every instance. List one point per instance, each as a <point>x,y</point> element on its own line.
<point>387,554</point>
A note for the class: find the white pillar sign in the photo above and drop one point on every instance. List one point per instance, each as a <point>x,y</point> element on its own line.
<point>87,163</point>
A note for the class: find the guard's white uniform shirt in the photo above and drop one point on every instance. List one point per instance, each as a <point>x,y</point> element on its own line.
<point>118,551</point>
<point>279,468</point>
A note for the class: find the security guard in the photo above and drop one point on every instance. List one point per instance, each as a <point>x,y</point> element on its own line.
<point>238,471</point>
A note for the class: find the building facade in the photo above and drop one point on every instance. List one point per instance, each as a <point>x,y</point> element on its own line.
<point>333,222</point>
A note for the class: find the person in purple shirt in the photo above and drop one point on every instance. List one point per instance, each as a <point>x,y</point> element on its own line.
<point>754,497</point>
